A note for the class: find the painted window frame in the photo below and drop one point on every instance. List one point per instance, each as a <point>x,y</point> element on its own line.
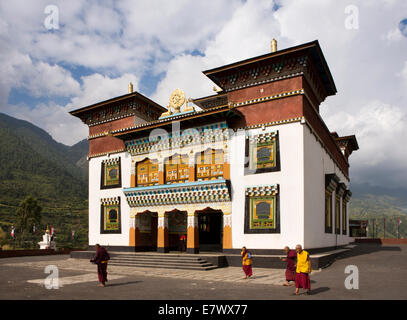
<point>328,212</point>
<point>103,176</point>
<point>344,217</point>
<point>149,183</point>
<point>212,163</point>
<point>250,167</point>
<point>248,213</point>
<point>337,214</point>
<point>179,165</point>
<point>102,219</point>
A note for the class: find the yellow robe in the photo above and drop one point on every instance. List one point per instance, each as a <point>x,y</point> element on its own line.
<point>303,262</point>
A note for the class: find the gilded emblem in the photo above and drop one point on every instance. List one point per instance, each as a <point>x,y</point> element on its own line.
<point>177,99</point>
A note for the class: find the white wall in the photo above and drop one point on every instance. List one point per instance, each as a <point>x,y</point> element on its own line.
<point>290,179</point>
<point>95,194</point>
<point>317,163</point>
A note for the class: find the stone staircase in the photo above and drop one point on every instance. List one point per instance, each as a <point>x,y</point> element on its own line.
<point>167,261</point>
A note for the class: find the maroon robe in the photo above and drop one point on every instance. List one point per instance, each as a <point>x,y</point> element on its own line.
<point>302,280</point>
<point>290,270</point>
<point>101,259</point>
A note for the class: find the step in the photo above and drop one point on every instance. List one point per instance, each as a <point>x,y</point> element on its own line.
<point>157,259</point>
<point>157,256</point>
<point>164,263</point>
<point>203,268</point>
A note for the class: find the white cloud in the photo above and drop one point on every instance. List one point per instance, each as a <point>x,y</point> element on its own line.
<point>381,132</point>
<point>97,87</point>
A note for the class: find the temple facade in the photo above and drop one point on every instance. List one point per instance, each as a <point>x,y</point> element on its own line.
<point>252,165</point>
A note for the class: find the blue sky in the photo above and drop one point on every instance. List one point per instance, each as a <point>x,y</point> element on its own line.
<point>160,45</point>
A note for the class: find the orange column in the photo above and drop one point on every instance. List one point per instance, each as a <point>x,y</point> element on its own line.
<point>133,180</point>
<point>192,233</point>
<point>162,233</point>
<point>227,230</point>
<point>134,233</point>
<point>226,171</point>
<point>191,177</point>
<point>161,177</point>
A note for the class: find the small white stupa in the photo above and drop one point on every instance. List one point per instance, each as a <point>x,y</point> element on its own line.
<point>46,242</point>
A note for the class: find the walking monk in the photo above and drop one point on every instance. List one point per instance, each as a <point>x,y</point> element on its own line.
<point>247,262</point>
<point>291,266</point>
<point>302,279</point>
<point>101,259</point>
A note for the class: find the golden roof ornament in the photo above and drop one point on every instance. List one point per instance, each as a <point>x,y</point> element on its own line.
<point>177,100</point>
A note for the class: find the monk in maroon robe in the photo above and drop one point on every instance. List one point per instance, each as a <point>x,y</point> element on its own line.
<point>291,266</point>
<point>101,258</point>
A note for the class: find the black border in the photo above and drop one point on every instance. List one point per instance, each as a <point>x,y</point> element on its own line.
<point>247,169</point>
<point>247,229</point>
<point>102,177</point>
<point>102,221</point>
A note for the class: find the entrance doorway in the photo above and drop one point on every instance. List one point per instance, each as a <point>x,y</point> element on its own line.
<point>210,226</point>
<point>148,222</point>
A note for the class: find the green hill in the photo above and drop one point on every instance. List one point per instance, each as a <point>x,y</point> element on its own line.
<point>31,162</point>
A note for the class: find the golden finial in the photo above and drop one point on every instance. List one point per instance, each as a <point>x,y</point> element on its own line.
<point>273,45</point>
<point>130,87</point>
<point>47,231</point>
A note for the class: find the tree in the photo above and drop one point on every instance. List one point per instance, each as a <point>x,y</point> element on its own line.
<point>28,214</point>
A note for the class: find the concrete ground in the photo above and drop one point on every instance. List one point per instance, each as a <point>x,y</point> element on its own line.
<point>382,271</point>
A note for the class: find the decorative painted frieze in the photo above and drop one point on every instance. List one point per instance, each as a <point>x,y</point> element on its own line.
<point>110,201</point>
<point>268,98</point>
<point>188,137</point>
<point>184,193</point>
<point>263,137</point>
<point>266,190</point>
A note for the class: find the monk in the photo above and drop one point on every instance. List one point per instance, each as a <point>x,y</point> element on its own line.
<point>291,266</point>
<point>101,258</point>
<point>247,262</point>
<point>303,270</point>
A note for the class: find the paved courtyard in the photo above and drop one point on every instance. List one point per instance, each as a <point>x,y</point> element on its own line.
<point>382,275</point>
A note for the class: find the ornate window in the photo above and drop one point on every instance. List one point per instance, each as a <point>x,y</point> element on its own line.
<point>328,212</point>
<point>209,164</point>
<point>176,169</point>
<point>147,173</point>
<point>345,200</point>
<point>110,220</point>
<point>337,214</point>
<point>262,153</point>
<point>331,183</point>
<point>340,190</point>
<point>111,174</point>
<point>262,213</point>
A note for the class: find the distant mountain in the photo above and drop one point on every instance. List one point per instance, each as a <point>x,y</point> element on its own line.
<point>378,203</point>
<point>33,163</point>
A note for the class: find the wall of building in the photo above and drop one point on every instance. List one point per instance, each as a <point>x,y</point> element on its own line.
<point>317,163</point>
<point>290,179</point>
<point>96,193</point>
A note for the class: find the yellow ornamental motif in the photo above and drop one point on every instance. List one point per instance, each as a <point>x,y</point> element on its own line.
<point>177,100</point>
